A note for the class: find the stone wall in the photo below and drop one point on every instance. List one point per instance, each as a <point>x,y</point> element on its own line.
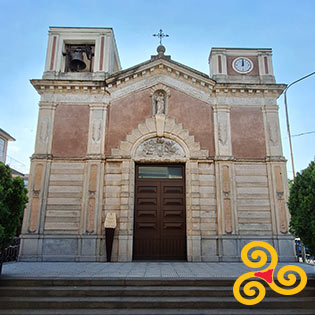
<point>64,203</point>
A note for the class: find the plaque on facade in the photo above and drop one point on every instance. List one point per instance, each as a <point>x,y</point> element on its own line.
<point>159,148</point>
<point>110,220</point>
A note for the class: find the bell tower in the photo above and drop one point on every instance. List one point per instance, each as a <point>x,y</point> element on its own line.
<point>70,144</point>
<point>81,53</point>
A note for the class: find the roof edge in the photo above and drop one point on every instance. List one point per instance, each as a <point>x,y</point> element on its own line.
<point>5,134</point>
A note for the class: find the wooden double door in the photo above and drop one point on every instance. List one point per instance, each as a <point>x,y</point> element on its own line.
<point>160,213</point>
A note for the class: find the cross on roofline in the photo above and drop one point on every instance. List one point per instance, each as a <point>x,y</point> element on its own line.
<point>160,35</point>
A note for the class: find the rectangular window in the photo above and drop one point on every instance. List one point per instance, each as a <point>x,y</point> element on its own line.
<point>168,172</point>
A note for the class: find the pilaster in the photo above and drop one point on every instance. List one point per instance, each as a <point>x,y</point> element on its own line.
<point>272,132</point>
<point>193,212</point>
<point>97,129</point>
<point>45,128</point>
<point>222,132</point>
<point>280,195</point>
<point>35,213</point>
<point>281,216</point>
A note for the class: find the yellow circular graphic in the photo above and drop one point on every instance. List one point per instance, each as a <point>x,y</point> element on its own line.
<point>260,257</point>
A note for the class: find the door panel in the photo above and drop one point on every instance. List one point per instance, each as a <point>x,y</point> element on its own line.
<point>160,220</point>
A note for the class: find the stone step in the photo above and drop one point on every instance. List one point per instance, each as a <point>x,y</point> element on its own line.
<point>141,296</point>
<point>122,302</point>
<point>125,282</point>
<point>146,311</point>
<point>114,282</point>
<point>99,291</point>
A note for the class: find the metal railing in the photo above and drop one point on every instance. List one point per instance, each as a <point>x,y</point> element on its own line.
<point>12,251</point>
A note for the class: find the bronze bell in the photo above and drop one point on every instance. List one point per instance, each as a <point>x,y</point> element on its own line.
<point>77,63</point>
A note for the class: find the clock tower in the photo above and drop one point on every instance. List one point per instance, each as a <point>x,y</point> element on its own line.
<point>246,65</point>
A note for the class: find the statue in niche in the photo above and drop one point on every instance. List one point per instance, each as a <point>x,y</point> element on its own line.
<point>159,100</point>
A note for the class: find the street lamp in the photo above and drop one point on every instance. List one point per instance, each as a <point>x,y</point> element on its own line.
<point>287,118</point>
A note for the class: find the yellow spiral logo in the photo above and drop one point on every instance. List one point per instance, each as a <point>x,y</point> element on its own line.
<point>267,274</point>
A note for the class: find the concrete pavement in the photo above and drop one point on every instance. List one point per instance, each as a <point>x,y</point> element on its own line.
<point>133,270</point>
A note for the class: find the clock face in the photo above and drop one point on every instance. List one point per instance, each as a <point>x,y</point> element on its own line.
<point>242,65</point>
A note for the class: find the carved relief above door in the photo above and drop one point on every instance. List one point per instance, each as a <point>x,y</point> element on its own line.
<point>157,148</point>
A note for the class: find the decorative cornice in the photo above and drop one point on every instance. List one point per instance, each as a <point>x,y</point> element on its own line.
<point>36,156</point>
<point>160,66</point>
<point>237,89</point>
<point>69,86</point>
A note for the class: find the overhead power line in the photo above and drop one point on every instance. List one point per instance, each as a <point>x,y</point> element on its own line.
<point>303,133</point>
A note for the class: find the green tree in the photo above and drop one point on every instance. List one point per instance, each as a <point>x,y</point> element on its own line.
<point>302,206</point>
<point>13,198</point>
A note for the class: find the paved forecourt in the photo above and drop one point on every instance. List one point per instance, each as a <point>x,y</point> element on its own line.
<point>180,270</point>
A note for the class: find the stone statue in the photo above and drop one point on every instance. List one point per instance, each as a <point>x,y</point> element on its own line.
<point>160,103</point>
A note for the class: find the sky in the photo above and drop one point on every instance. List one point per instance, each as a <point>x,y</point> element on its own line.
<point>286,26</point>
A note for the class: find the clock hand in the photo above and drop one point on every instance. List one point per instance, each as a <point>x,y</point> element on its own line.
<point>242,62</point>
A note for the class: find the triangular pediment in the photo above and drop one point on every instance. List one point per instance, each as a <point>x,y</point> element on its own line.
<point>160,70</point>
<point>161,62</point>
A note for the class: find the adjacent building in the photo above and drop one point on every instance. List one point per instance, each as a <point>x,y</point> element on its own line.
<point>190,163</point>
<point>4,139</point>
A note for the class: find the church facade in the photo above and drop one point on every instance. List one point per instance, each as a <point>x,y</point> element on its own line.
<point>190,164</point>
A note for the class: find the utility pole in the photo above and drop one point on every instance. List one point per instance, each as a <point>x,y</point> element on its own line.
<point>287,118</point>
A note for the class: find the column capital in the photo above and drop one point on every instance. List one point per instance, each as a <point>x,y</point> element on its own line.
<point>96,106</point>
<point>221,108</point>
<point>271,108</point>
<point>47,105</point>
